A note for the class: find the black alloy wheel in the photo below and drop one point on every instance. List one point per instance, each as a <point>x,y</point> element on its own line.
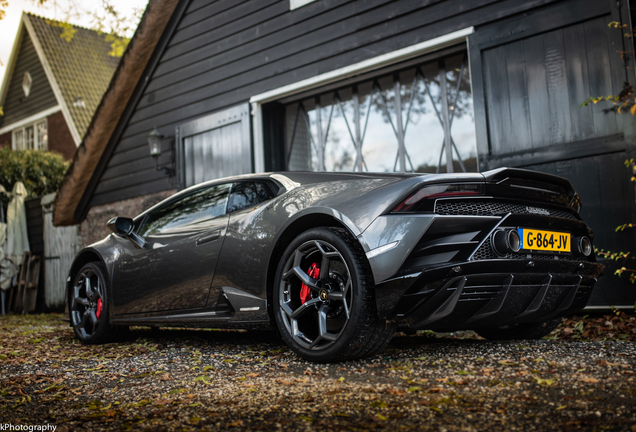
<point>325,311</point>
<point>88,306</point>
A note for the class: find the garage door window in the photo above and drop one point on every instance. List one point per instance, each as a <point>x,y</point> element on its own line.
<point>419,119</point>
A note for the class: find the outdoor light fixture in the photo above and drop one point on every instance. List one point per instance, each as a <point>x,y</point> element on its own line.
<point>154,143</point>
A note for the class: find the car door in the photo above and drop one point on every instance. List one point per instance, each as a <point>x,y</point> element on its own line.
<point>243,262</point>
<point>174,270</point>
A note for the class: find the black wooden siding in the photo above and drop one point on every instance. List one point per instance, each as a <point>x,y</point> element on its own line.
<point>224,52</point>
<point>530,76</point>
<point>35,226</point>
<point>534,87</point>
<point>17,106</point>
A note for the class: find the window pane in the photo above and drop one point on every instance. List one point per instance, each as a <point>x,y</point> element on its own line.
<point>424,112</point>
<point>28,137</point>
<point>18,139</point>
<point>41,135</point>
<point>196,208</point>
<point>380,143</point>
<point>424,137</point>
<point>461,109</point>
<point>248,194</point>
<point>340,149</point>
<point>302,146</point>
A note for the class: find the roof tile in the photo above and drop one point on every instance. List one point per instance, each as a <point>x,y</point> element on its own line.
<point>82,67</point>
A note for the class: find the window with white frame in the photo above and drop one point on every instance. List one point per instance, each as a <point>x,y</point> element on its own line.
<point>33,136</point>
<point>417,119</point>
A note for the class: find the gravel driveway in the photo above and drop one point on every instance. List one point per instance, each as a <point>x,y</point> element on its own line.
<point>583,379</point>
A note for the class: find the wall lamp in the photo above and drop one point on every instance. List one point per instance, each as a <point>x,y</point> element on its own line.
<point>154,142</point>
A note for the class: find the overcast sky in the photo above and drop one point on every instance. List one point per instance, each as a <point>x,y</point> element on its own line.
<point>9,25</point>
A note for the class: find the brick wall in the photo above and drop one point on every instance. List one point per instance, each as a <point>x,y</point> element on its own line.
<point>94,226</point>
<point>60,139</point>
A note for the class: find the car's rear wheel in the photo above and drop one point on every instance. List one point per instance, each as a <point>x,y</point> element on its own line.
<point>519,331</point>
<point>89,306</point>
<point>324,303</point>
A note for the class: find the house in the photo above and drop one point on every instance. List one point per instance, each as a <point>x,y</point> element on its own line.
<point>55,77</point>
<point>373,85</point>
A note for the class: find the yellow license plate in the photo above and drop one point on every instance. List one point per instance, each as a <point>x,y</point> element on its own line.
<point>553,241</point>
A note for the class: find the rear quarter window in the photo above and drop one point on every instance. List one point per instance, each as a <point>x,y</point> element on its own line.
<point>248,194</point>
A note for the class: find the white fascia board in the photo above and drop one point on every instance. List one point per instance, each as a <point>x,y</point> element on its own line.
<point>295,4</point>
<point>8,72</point>
<point>365,66</point>
<point>49,74</point>
<point>31,119</point>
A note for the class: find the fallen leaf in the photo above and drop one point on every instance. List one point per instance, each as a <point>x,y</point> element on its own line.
<point>589,380</point>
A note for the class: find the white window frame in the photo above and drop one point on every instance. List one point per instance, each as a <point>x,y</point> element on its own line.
<point>37,144</point>
<point>378,62</point>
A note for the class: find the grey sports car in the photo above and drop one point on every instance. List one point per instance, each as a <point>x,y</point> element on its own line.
<point>338,261</point>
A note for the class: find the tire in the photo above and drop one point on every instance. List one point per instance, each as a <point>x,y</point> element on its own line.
<point>333,318</point>
<point>519,331</point>
<point>89,307</point>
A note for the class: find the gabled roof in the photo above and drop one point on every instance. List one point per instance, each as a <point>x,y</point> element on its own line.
<point>142,51</point>
<point>78,70</point>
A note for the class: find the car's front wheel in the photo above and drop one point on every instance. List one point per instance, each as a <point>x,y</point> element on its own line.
<point>323,295</point>
<point>89,306</point>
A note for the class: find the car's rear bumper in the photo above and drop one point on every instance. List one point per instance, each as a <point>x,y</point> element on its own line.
<point>486,293</point>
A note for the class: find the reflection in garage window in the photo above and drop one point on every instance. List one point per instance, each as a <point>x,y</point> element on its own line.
<point>418,120</point>
<point>195,208</point>
<point>248,194</point>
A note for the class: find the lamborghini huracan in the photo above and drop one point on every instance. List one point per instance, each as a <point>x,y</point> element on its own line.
<point>337,262</point>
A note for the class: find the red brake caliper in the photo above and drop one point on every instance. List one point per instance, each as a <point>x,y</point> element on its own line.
<point>305,291</point>
<point>98,312</point>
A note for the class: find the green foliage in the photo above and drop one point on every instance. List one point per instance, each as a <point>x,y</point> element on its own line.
<point>68,31</point>
<point>41,172</point>
<point>117,44</point>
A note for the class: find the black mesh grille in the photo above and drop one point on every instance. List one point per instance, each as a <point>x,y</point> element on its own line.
<point>490,208</point>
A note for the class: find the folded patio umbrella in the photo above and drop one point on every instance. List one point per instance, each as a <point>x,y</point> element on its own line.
<point>17,240</point>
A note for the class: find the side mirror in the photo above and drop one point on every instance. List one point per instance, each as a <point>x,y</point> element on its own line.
<point>121,225</point>
<point>124,226</point>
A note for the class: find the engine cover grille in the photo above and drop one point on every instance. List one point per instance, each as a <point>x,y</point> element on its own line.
<point>492,208</point>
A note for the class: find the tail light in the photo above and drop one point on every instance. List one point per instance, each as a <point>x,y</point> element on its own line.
<point>417,201</point>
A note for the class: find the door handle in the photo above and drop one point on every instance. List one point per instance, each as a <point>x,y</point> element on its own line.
<point>209,237</point>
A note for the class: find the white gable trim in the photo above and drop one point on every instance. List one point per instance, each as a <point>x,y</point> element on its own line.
<point>31,119</point>
<point>49,74</point>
